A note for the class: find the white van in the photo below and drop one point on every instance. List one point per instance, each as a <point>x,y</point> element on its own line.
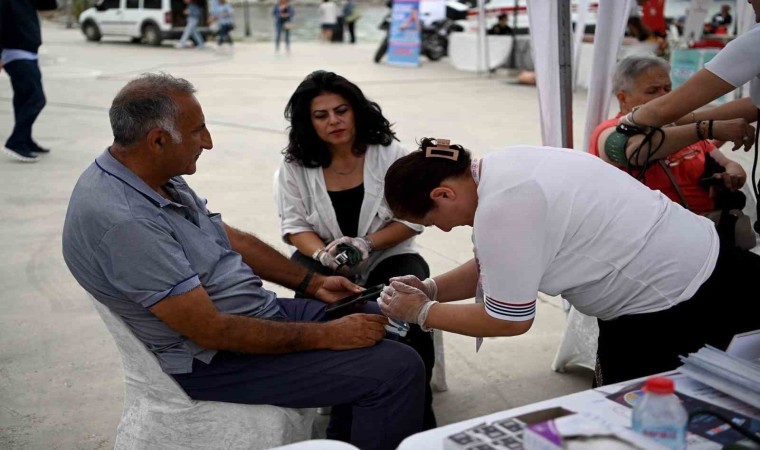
<point>149,21</point>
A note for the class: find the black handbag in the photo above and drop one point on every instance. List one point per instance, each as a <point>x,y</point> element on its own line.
<point>733,226</point>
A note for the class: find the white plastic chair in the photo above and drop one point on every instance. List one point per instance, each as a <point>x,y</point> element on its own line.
<point>578,346</point>
<point>158,414</point>
<point>438,382</point>
<point>319,444</point>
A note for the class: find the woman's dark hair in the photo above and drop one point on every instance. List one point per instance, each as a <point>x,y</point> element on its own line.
<point>409,180</point>
<point>305,146</point>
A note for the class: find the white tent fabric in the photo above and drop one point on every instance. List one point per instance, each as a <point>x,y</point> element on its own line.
<point>544,46</point>
<point>745,17</point>
<point>580,29</point>
<point>611,22</point>
<point>482,56</point>
<point>696,15</point>
<point>745,21</point>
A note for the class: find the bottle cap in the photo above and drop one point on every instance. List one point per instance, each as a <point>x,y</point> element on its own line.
<point>660,386</point>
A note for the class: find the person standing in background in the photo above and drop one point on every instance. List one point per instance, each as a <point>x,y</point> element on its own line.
<point>223,15</point>
<point>20,38</point>
<point>283,16</point>
<point>339,22</point>
<point>194,13</point>
<point>350,16</point>
<point>328,17</point>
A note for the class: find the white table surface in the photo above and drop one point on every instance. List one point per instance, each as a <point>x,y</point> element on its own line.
<point>318,444</point>
<point>590,400</point>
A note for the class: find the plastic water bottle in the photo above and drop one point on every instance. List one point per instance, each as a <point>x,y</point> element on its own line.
<point>659,415</point>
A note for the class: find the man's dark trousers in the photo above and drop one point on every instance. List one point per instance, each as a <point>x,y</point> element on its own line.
<point>377,392</point>
<point>28,100</point>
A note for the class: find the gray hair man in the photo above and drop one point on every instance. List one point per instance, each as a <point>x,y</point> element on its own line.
<point>683,149</point>
<point>140,241</point>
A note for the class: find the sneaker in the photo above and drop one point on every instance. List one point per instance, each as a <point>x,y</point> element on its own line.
<point>37,149</point>
<point>23,155</point>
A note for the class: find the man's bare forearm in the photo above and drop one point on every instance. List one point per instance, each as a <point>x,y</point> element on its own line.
<point>267,262</point>
<point>194,315</point>
<point>262,336</point>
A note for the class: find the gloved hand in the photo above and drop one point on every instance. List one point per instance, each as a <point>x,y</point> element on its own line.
<point>402,302</point>
<point>325,258</point>
<point>427,286</point>
<point>360,244</point>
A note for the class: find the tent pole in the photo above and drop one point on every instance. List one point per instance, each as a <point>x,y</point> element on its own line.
<point>565,72</point>
<point>481,33</point>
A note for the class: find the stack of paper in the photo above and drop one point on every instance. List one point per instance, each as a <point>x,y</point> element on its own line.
<point>737,377</point>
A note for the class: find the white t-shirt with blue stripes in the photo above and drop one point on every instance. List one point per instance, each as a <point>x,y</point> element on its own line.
<point>564,222</point>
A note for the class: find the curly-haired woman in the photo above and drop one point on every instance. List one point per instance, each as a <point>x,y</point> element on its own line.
<point>330,191</point>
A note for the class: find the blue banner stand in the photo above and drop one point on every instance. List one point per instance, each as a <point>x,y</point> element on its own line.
<point>404,43</point>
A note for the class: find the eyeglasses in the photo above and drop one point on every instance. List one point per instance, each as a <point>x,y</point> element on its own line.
<point>684,155</point>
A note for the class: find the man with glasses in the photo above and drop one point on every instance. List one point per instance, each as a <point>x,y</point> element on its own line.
<point>639,79</point>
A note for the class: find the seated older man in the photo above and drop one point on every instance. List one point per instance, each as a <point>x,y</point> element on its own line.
<point>639,79</point>
<point>189,286</point>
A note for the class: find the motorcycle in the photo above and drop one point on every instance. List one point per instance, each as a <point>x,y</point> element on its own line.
<point>434,38</point>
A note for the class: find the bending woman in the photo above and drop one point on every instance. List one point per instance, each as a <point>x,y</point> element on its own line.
<point>565,222</point>
<point>330,192</point>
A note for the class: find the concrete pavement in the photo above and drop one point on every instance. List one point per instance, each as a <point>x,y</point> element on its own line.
<point>61,382</point>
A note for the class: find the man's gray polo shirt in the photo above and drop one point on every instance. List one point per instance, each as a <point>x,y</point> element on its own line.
<point>130,248</point>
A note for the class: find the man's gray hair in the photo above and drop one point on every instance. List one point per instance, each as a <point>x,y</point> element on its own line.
<point>631,67</point>
<point>146,103</point>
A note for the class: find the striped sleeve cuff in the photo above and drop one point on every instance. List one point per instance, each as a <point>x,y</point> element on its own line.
<point>180,288</point>
<point>515,312</point>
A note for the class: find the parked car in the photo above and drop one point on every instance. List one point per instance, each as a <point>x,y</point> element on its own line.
<point>149,21</point>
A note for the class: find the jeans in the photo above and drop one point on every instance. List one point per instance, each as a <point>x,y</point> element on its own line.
<point>191,29</point>
<point>28,100</point>
<point>224,34</point>
<point>351,30</point>
<point>420,341</point>
<point>376,392</point>
<point>280,29</point>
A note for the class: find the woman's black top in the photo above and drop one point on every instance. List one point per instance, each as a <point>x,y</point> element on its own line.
<point>347,205</point>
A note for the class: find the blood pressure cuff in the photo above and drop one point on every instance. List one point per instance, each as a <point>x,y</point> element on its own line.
<point>617,142</point>
<point>614,148</point>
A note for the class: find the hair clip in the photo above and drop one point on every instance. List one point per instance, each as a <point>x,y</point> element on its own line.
<point>442,149</point>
